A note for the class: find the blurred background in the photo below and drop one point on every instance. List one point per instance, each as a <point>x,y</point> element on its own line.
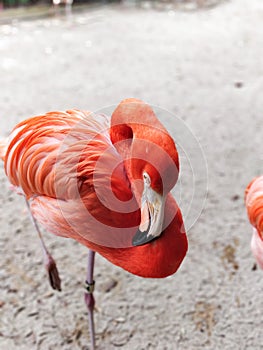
<point>199,63</point>
<point>42,7</point>
<point>188,3</point>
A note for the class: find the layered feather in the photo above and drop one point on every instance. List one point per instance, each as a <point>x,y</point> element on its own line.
<point>67,167</point>
<point>254,205</point>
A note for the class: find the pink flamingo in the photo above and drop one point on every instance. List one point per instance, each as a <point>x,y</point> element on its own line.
<point>105,183</point>
<point>254,205</point>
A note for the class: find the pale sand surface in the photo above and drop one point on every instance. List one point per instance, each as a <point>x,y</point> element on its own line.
<point>192,64</point>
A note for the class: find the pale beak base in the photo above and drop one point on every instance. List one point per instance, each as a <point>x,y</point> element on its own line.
<point>152,215</point>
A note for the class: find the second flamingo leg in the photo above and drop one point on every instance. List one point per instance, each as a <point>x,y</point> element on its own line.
<point>89,298</point>
<point>49,262</point>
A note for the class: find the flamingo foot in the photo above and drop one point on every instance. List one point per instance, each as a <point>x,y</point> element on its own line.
<point>49,262</point>
<point>52,271</point>
<point>89,298</point>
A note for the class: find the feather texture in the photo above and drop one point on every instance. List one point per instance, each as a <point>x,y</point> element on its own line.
<point>76,182</point>
<point>254,205</point>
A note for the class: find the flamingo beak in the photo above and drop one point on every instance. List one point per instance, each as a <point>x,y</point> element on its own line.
<point>152,215</point>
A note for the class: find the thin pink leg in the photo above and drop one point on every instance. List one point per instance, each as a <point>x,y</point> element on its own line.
<point>88,296</point>
<point>49,262</point>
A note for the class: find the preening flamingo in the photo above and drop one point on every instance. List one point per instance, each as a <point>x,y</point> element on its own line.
<point>254,204</point>
<point>104,182</point>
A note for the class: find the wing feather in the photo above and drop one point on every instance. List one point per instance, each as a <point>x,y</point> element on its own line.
<point>67,167</point>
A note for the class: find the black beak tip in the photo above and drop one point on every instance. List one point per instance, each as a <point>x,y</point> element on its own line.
<point>140,238</point>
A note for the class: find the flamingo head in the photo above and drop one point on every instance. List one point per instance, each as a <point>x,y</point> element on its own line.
<point>151,162</point>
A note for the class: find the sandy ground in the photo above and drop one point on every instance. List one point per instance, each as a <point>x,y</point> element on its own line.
<point>206,68</point>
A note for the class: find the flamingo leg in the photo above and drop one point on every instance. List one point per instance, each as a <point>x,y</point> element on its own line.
<point>68,9</point>
<point>49,262</point>
<point>88,296</point>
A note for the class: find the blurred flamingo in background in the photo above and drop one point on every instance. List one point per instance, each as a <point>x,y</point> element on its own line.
<point>105,183</point>
<point>254,205</point>
<point>66,3</point>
